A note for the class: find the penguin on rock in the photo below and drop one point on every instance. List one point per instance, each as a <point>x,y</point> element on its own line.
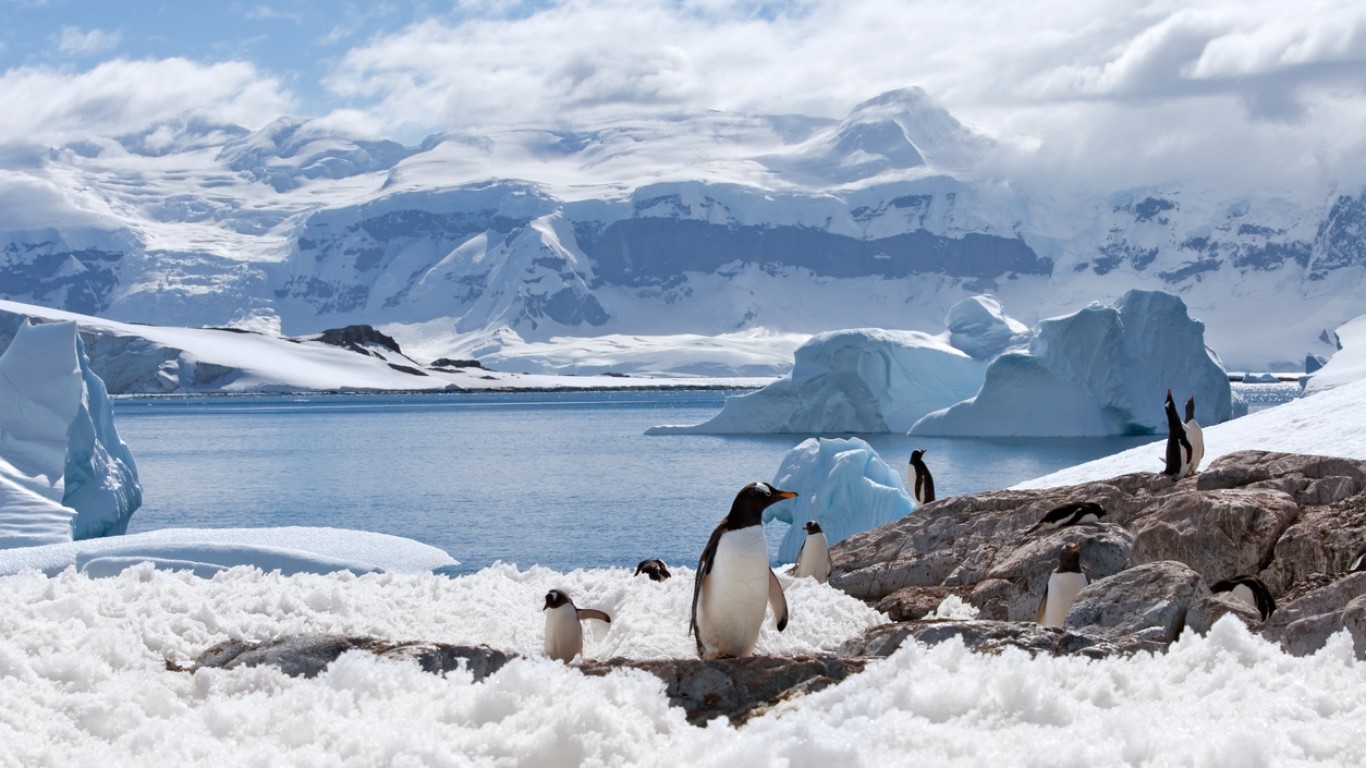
<point>813,559</point>
<point>1063,586</point>
<point>919,478</point>
<point>1178,445</point>
<point>734,581</point>
<point>1196,436</point>
<point>563,633</point>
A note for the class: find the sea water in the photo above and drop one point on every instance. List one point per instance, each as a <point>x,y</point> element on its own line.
<point>561,479</point>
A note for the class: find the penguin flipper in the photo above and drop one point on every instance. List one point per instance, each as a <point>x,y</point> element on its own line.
<point>1043,605</point>
<point>593,613</point>
<point>776,601</point>
<point>704,565</point>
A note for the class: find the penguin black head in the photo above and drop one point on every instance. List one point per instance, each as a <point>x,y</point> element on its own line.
<point>655,569</point>
<point>917,455</point>
<point>750,503</point>
<point>812,527</point>
<point>1070,560</point>
<point>1190,408</point>
<point>555,598</point>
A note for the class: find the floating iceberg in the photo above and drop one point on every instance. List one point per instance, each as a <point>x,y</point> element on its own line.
<point>1099,371</point>
<point>64,472</point>
<point>842,484</point>
<point>979,326</point>
<point>863,380</point>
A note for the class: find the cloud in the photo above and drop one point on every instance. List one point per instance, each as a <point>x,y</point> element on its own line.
<point>122,96</point>
<point>75,42</point>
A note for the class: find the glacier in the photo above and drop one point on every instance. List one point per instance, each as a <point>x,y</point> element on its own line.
<point>1096,372</point>
<point>841,483</point>
<point>64,472</point>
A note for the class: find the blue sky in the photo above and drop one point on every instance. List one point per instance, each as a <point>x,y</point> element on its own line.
<point>1101,87</point>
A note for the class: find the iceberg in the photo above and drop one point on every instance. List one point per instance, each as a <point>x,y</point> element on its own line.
<point>842,484</point>
<point>865,380</point>
<point>1096,372</point>
<point>979,326</point>
<point>64,472</point>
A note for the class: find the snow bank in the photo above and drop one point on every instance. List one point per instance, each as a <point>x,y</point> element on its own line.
<point>1346,365</point>
<point>64,472</point>
<point>862,380</point>
<point>1099,371</point>
<point>842,484</point>
<point>205,551</point>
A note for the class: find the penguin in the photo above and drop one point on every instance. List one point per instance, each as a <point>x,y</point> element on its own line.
<point>1178,447</point>
<point>1071,513</point>
<point>733,579</point>
<point>655,569</point>
<point>1196,436</point>
<point>1063,586</point>
<point>813,559</point>
<point>1250,590</point>
<point>919,478</point>
<point>563,635</point>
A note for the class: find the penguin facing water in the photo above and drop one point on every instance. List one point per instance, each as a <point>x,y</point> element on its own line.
<point>1250,590</point>
<point>1063,586</point>
<point>1196,436</point>
<point>733,580</point>
<point>563,634</point>
<point>1071,513</point>
<point>1178,446</point>
<point>919,478</point>
<point>813,559</point>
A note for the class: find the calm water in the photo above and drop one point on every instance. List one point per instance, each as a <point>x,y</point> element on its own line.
<point>566,480</point>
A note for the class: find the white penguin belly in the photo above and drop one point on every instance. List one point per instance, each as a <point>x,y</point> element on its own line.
<point>815,558</point>
<point>731,609</point>
<point>1196,436</point>
<point>1062,590</point>
<point>563,633</point>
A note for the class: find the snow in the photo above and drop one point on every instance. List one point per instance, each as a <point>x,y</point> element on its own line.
<point>1348,364</point>
<point>859,380</point>
<point>840,483</point>
<point>980,327</point>
<point>64,472</point>
<point>1096,372</point>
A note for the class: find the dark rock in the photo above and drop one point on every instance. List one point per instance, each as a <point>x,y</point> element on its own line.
<point>357,337</point>
<point>985,636</point>
<point>446,362</point>
<point>1149,601</point>
<point>911,603</point>
<point>307,655</point>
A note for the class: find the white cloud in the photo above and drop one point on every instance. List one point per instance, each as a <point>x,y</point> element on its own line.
<point>78,43</point>
<point>122,96</point>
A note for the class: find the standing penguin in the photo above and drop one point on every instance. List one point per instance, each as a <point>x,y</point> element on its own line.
<point>1063,586</point>
<point>1178,446</point>
<point>813,559</point>
<point>1196,436</point>
<point>1250,590</point>
<point>563,635</point>
<point>655,569</point>
<point>733,579</point>
<point>918,477</point>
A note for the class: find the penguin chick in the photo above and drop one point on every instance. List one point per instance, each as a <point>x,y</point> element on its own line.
<point>733,579</point>
<point>655,569</point>
<point>563,634</point>
<point>1196,436</point>
<point>919,478</point>
<point>1071,513</point>
<point>1063,586</point>
<point>1250,590</point>
<point>813,559</point>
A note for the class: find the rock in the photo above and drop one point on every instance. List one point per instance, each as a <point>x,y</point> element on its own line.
<point>358,338</point>
<point>1323,540</point>
<point>986,636</point>
<point>911,603</point>
<point>1149,601</point>
<point>1303,623</point>
<point>1206,609</point>
<point>1219,533</point>
<point>1018,580</point>
<point>734,688</point>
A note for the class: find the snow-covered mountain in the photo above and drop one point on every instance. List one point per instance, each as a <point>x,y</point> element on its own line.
<point>705,224</point>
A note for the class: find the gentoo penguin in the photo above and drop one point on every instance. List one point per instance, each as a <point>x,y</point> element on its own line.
<point>1063,586</point>
<point>1178,447</point>
<point>813,559</point>
<point>918,477</point>
<point>563,635</point>
<point>1196,436</point>
<point>1071,513</point>
<point>655,569</point>
<point>733,579</point>
<point>1250,590</point>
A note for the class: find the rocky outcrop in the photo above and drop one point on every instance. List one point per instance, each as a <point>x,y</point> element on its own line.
<point>734,688</point>
<point>1294,521</point>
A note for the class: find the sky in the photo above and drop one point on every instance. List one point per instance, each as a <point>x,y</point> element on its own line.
<point>1266,90</point>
